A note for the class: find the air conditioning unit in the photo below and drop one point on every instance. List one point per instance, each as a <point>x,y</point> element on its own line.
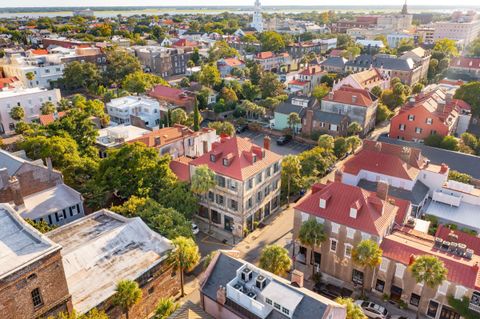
<point>469,253</point>
<point>261,282</point>
<point>438,242</point>
<point>247,274</point>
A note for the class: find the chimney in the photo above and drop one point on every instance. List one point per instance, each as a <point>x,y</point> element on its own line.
<point>338,176</point>
<point>354,99</point>
<point>330,95</point>
<point>412,259</point>
<point>313,70</point>
<point>205,147</point>
<point>14,185</point>
<point>308,122</point>
<point>382,190</point>
<point>297,277</point>
<point>221,295</point>
<point>266,142</point>
<point>4,177</point>
<point>48,160</point>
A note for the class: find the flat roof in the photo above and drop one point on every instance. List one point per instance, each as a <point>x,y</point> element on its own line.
<point>20,243</point>
<point>466,214</point>
<point>103,248</point>
<point>127,132</point>
<point>49,201</point>
<point>22,91</point>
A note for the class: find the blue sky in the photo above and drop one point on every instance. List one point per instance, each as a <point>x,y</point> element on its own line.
<point>54,3</point>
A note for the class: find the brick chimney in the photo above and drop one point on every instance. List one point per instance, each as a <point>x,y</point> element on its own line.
<point>266,142</point>
<point>307,126</point>
<point>205,147</point>
<point>221,295</point>
<point>4,177</point>
<point>14,185</point>
<point>297,277</point>
<point>382,190</point>
<point>338,176</point>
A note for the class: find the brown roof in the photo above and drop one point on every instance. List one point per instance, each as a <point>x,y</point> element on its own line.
<point>172,95</point>
<point>349,95</point>
<point>180,166</point>
<point>50,118</point>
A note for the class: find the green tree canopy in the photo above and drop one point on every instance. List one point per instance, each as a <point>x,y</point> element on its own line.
<point>48,108</point>
<point>184,257</point>
<point>17,113</point>
<point>446,46</point>
<point>127,294</point>
<point>120,63</point>
<point>223,127</point>
<point>209,75</point>
<point>353,311</point>
<point>78,75</point>
<point>320,91</point>
<point>290,173</point>
<point>41,226</point>
<point>326,141</point>
<point>367,254</point>
<point>275,259</point>
<point>272,41</point>
<point>469,92</point>
<point>141,82</point>
<point>312,234</point>
<point>165,307</point>
<point>270,85</point>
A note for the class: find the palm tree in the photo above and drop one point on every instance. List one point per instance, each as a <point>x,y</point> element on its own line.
<point>290,168</point>
<point>275,259</point>
<point>312,234</point>
<point>127,294</point>
<point>30,76</point>
<point>203,180</point>
<point>429,271</point>
<point>185,256</point>
<point>353,311</point>
<point>17,113</point>
<point>165,307</point>
<point>368,255</point>
<point>353,142</point>
<point>293,121</point>
<point>354,128</point>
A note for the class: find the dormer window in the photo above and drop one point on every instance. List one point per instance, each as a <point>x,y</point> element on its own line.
<point>323,203</point>
<point>254,158</point>
<point>225,162</point>
<point>213,158</point>
<point>353,212</point>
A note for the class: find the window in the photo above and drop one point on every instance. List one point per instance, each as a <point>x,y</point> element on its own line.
<point>350,232</point>
<point>348,250</point>
<point>268,171</point>
<point>250,183</point>
<point>211,196</point>
<point>220,200</point>
<point>402,127</point>
<point>418,130</point>
<point>357,277</point>
<point>249,203</point>
<point>304,217</point>
<point>429,121</point>
<point>276,167</point>
<point>259,178</point>
<point>285,311</point>
<point>414,300</point>
<point>277,306</point>
<point>399,270</point>
<point>411,117</point>
<point>259,197</point>
<point>380,285</point>
<point>323,203</point>
<point>232,184</point>
<point>225,162</point>
<point>233,205</point>
<point>37,298</point>
<point>333,245</point>
<point>335,228</point>
<point>443,288</point>
<point>216,217</point>
<point>212,158</point>
<point>221,181</point>
<point>269,301</point>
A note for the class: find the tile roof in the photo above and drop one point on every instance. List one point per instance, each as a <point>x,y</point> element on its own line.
<point>233,62</point>
<point>400,247</point>
<point>374,215</point>
<point>298,82</point>
<point>189,310</point>
<point>265,55</point>
<point>311,70</point>
<point>180,166</point>
<point>337,53</point>
<point>465,62</point>
<point>39,51</point>
<point>8,81</point>
<point>50,118</point>
<point>387,159</point>
<point>240,152</point>
<point>185,43</point>
<point>367,77</point>
<point>351,96</point>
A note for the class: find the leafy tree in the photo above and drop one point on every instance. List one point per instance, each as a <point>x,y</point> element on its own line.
<point>328,79</point>
<point>367,255</point>
<point>459,177</point>
<point>275,259</point>
<point>78,75</point>
<point>429,271</point>
<point>354,128</point>
<point>326,142</point>
<point>119,64</point>
<point>270,86</point>
<point>293,121</point>
<point>30,76</point>
<point>352,51</point>
<point>180,198</point>
<point>446,46</point>
<point>353,310</point>
<point>203,180</point>
<point>291,170</point>
<point>469,92</point>
<point>272,41</point>
<point>140,82</point>
<point>221,50</point>
<point>470,140</point>
<point>474,48</point>
<point>184,257</point>
<point>195,56</point>
<point>135,169</point>
<point>449,143</point>
<point>127,294</point>
<point>315,162</point>
<point>249,90</point>
<point>433,140</point>
<point>41,226</point>
<point>228,95</point>
<point>312,235</point>
<point>320,91</point>
<point>92,314</point>
<point>166,221</point>
<point>353,142</point>
<point>165,307</point>
<point>17,113</point>
<point>344,41</point>
<point>209,75</point>
<point>256,73</point>
<point>252,110</point>
<point>393,99</point>
<point>48,108</point>
<point>179,116</point>
<point>417,88</point>
<point>340,147</point>
<point>377,91</point>
<point>223,127</point>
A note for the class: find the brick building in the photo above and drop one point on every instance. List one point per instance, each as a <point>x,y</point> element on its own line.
<point>32,277</point>
<point>173,96</point>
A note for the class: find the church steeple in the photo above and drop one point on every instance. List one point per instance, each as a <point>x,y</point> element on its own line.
<point>404,8</point>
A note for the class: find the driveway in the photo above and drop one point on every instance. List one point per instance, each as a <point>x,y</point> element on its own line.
<point>291,147</point>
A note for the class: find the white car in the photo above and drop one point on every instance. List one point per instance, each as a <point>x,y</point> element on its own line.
<point>195,229</point>
<point>372,310</point>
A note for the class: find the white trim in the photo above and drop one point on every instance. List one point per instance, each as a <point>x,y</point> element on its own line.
<point>335,228</point>
<point>336,245</point>
<point>350,232</point>
<point>345,251</point>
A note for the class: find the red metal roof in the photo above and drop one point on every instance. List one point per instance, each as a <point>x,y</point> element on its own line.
<point>465,62</point>
<point>298,82</point>
<point>351,96</point>
<point>471,241</point>
<point>180,167</point>
<point>171,95</point>
<point>374,215</point>
<point>240,153</point>
<point>233,62</point>
<point>311,70</point>
<point>386,159</point>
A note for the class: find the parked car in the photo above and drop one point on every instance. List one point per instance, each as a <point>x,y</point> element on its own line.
<point>326,290</point>
<point>195,229</point>
<point>372,310</point>
<point>241,128</point>
<point>398,317</point>
<point>284,139</point>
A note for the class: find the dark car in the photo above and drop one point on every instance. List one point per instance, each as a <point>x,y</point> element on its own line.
<point>241,128</point>
<point>331,291</point>
<point>284,139</point>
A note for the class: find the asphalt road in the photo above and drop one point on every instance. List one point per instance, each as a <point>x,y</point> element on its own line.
<point>291,147</point>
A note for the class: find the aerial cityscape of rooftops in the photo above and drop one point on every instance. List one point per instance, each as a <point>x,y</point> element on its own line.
<point>240,161</point>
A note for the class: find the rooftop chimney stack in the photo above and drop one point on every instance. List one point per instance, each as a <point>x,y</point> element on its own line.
<point>221,295</point>
<point>297,277</point>
<point>338,176</point>
<point>15,188</point>
<point>266,142</point>
<point>4,177</point>
<point>49,163</point>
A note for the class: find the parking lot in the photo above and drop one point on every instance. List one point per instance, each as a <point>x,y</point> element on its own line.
<point>291,147</point>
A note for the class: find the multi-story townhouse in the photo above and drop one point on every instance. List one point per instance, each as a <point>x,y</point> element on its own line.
<point>270,61</point>
<point>349,215</point>
<point>366,80</point>
<point>235,289</point>
<point>174,97</point>
<point>462,27</point>
<point>248,183</point>
<point>299,49</point>
<point>295,104</point>
<point>115,136</point>
<point>420,57</point>
<point>30,99</point>
<point>164,61</point>
<point>306,80</point>
<point>433,111</point>
<point>358,104</point>
<point>225,66</point>
<point>465,68</point>
<point>334,64</point>
<point>132,109</point>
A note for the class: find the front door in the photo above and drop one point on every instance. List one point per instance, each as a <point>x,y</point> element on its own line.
<point>448,313</point>
<point>396,293</point>
<point>432,309</point>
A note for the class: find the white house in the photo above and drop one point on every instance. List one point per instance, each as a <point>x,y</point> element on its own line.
<point>147,109</point>
<point>30,99</point>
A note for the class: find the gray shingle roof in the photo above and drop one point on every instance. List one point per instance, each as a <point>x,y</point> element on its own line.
<point>382,60</point>
<point>334,61</point>
<point>415,196</point>
<point>327,117</point>
<point>464,163</point>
